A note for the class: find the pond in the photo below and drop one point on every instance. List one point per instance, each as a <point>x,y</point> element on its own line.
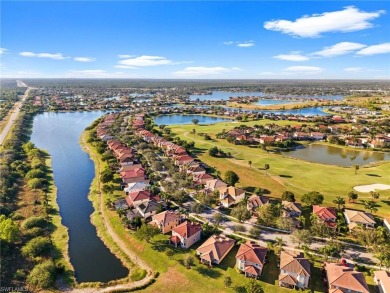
<point>223,95</point>
<point>59,134</point>
<point>187,119</point>
<point>332,155</point>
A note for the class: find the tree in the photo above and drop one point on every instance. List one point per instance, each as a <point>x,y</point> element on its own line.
<point>266,168</point>
<point>189,261</point>
<point>35,183</point>
<point>332,249</point>
<point>288,196</point>
<point>241,213</point>
<point>255,232</point>
<point>301,237</point>
<point>250,164</point>
<point>213,152</point>
<point>339,201</point>
<point>266,215</point>
<point>370,205</point>
<point>231,178</point>
<point>374,195</point>
<point>218,219</point>
<point>195,121</point>
<point>43,275</point>
<point>227,282</point>
<point>356,168</point>
<point>106,176</point>
<point>9,230</point>
<point>253,287</point>
<point>312,198</point>
<point>197,208</point>
<point>285,223</point>
<point>352,196</point>
<point>146,232</point>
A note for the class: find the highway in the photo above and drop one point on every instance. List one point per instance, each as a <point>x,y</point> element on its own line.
<point>14,112</point>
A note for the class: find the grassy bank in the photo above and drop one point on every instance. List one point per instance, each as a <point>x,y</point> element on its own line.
<point>285,173</point>
<point>59,236</point>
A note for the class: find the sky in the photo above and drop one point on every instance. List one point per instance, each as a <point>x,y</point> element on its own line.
<point>196,40</point>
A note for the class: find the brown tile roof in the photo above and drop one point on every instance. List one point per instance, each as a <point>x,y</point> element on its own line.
<point>136,196</point>
<point>295,263</point>
<point>166,217</point>
<point>215,247</point>
<point>256,201</point>
<point>232,191</point>
<point>287,279</point>
<point>345,277</point>
<point>324,213</point>
<point>250,251</point>
<point>187,229</point>
<point>360,217</point>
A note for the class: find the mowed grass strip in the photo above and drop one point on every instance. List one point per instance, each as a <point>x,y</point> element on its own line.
<point>285,173</point>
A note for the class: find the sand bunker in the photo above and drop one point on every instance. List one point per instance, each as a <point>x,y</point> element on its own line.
<point>371,187</point>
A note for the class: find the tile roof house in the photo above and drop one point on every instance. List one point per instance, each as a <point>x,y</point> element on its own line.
<point>202,178</point>
<point>250,259</point>
<point>167,220</point>
<point>382,280</point>
<point>214,249</point>
<point>231,195</point>
<point>136,186</point>
<point>134,198</point>
<point>215,184</point>
<point>294,270</point>
<point>326,215</point>
<point>255,201</point>
<point>136,175</point>
<point>358,218</point>
<point>344,279</point>
<point>291,209</point>
<point>386,224</point>
<point>186,234</point>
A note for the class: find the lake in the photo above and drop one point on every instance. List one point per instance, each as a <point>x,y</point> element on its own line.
<point>187,119</point>
<point>332,155</point>
<point>223,95</point>
<point>59,134</point>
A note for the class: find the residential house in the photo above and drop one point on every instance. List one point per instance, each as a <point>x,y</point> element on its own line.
<point>215,184</point>
<point>134,198</point>
<point>386,224</point>
<point>202,179</point>
<point>317,135</point>
<point>358,218</point>
<point>136,187</point>
<point>294,270</point>
<point>382,280</point>
<point>149,208</point>
<point>256,201</point>
<point>231,195</point>
<point>291,209</point>
<point>136,175</point>
<point>326,215</point>
<point>182,160</point>
<point>186,234</point>
<point>130,167</point>
<point>215,249</point>
<point>250,259</point>
<point>167,220</point>
<point>342,279</point>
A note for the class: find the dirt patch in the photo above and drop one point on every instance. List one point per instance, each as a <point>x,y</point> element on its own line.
<point>371,187</point>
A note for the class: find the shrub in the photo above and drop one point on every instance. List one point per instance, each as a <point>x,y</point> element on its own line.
<point>34,232</point>
<point>36,247</point>
<point>34,222</point>
<point>43,275</point>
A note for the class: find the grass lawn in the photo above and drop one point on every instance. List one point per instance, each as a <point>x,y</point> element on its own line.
<point>285,173</point>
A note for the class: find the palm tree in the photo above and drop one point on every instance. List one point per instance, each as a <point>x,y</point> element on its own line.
<point>266,167</point>
<point>339,201</point>
<point>356,168</point>
<point>250,164</point>
<point>370,205</point>
<point>352,196</point>
<point>302,220</point>
<point>374,195</point>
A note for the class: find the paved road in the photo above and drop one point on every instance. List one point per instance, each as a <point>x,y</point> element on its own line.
<point>15,112</point>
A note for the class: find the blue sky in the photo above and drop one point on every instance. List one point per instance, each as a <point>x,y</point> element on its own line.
<point>255,39</point>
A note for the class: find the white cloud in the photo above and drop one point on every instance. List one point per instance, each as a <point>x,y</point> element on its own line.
<point>203,71</point>
<point>3,50</point>
<point>94,73</point>
<point>293,56</point>
<point>244,44</point>
<point>143,61</point>
<point>304,69</point>
<point>353,69</point>
<point>375,49</point>
<point>125,56</point>
<point>84,59</point>
<point>339,49</point>
<point>309,26</point>
<point>56,56</point>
